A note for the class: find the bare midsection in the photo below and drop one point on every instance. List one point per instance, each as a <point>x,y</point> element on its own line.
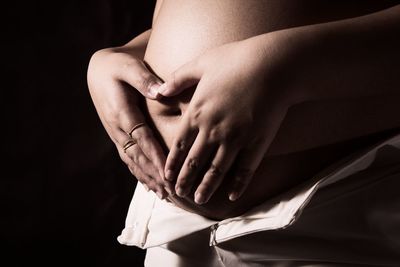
<point>292,158</point>
<point>184,29</point>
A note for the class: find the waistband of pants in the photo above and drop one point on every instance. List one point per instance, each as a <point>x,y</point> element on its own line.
<point>151,222</point>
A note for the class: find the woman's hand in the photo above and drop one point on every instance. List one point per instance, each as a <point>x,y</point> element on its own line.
<point>231,120</point>
<point>113,76</point>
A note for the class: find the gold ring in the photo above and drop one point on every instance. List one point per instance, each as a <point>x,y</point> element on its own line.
<point>135,127</point>
<point>128,144</point>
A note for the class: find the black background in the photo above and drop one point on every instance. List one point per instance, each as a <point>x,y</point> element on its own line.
<point>64,191</point>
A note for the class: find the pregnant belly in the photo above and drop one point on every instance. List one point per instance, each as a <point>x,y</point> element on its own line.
<point>286,165</point>
<point>185,29</point>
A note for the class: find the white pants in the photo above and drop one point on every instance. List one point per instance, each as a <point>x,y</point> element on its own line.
<point>347,217</point>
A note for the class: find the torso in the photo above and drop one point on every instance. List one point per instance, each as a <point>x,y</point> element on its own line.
<point>186,28</point>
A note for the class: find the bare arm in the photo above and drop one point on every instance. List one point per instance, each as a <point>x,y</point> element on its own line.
<point>355,57</point>
<point>116,77</point>
<point>340,79</point>
<point>343,76</point>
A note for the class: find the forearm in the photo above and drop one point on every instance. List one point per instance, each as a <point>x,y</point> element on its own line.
<point>341,80</point>
<point>346,59</point>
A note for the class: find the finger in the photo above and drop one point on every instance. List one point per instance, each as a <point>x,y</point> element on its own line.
<point>246,164</point>
<point>135,152</point>
<point>179,149</point>
<point>215,174</point>
<point>198,156</point>
<point>135,73</point>
<point>148,182</point>
<point>143,169</point>
<point>128,120</point>
<point>150,147</point>
<point>183,78</point>
<point>121,126</point>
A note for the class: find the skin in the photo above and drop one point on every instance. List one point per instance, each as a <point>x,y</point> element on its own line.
<point>235,132</point>
<point>110,82</point>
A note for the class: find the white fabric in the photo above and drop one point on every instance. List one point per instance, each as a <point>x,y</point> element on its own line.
<point>159,225</point>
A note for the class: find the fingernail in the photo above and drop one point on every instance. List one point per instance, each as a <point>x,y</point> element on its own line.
<point>169,191</point>
<point>153,91</point>
<point>161,172</point>
<point>169,175</point>
<point>160,195</point>
<point>199,198</point>
<point>162,88</point>
<point>146,187</point>
<point>233,196</point>
<point>180,192</point>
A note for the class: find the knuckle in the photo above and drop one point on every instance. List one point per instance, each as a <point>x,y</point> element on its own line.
<point>215,171</point>
<point>181,145</point>
<point>136,158</point>
<point>195,114</point>
<point>193,164</point>
<point>226,132</point>
<point>215,134</point>
<point>142,135</point>
<point>199,111</point>
<point>145,80</point>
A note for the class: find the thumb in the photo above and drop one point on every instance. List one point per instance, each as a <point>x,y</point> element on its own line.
<point>141,78</point>
<point>183,78</point>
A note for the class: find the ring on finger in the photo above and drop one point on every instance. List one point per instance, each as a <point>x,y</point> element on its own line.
<point>135,127</point>
<point>130,142</point>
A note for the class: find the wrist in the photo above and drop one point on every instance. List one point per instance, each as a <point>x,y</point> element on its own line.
<point>338,60</point>
<point>292,58</point>
<point>283,53</point>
